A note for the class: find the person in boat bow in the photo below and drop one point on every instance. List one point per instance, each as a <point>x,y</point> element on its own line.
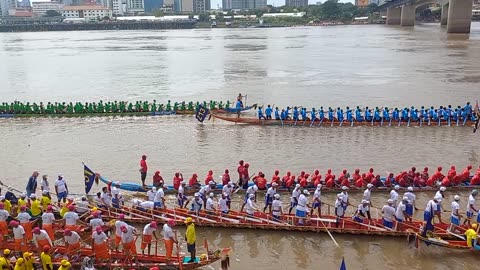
<point>238,107</point>
<point>431,210</point>
<point>455,216</point>
<point>302,207</point>
<point>441,194</point>
<point>388,214</point>
<point>401,211</point>
<point>294,198</point>
<point>197,203</point>
<point>471,210</point>
<point>228,189</point>
<point>272,190</point>
<point>277,208</point>
<point>317,200</point>
<point>260,113</point>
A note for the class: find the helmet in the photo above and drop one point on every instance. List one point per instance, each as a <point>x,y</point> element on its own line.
<point>251,196</point>
<point>274,184</point>
<point>456,198</point>
<point>211,195</point>
<point>196,194</point>
<point>389,201</point>
<point>297,186</point>
<point>319,186</point>
<point>344,188</point>
<point>474,192</point>
<point>405,198</point>
<point>474,226</point>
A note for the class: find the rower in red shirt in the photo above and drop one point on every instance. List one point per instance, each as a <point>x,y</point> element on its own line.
<point>359,183</point>
<point>286,178</point>
<point>260,181</point>
<point>342,175</point>
<point>389,179</point>
<point>193,181</point>
<point>241,172</point>
<point>356,175</point>
<point>303,182</point>
<point>464,176</point>
<point>331,181</point>
<point>302,175</point>
<point>328,175</point>
<point>289,183</point>
<point>417,180</point>
<point>143,169</point>
<point>157,179</point>
<point>438,176</point>
<point>452,173</point>
<point>276,177</point>
<point>376,182</point>
<point>475,179</point>
<point>176,180</point>
<point>226,177</point>
<point>317,178</point>
<point>345,182</point>
<point>411,175</point>
<point>369,177</point>
<point>446,182</point>
<point>424,175</point>
<point>209,177</point>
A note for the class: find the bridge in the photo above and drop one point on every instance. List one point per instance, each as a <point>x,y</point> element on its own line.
<point>456,14</point>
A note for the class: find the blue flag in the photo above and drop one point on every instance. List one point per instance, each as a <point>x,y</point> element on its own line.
<point>89,178</point>
<point>343,266</point>
<point>201,113</point>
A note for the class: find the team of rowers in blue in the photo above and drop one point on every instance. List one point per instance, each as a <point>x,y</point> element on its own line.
<point>446,113</point>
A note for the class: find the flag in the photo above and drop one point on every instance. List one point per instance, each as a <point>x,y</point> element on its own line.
<point>201,113</point>
<point>343,266</point>
<point>89,178</point>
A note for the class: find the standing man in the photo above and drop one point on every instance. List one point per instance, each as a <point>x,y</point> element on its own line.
<point>61,189</point>
<point>241,172</point>
<point>169,238</point>
<point>455,219</point>
<point>32,183</point>
<point>45,185</point>
<point>471,210</point>
<point>143,169</point>
<point>190,237</point>
<point>148,234</point>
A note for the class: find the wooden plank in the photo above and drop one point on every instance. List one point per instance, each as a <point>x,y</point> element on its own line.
<point>323,219</point>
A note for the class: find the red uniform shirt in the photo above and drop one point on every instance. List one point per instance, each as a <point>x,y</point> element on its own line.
<point>225,178</point>
<point>241,171</point>
<point>176,182</point>
<point>143,165</point>
<point>303,182</point>
<point>157,179</point>
<point>261,183</point>
<point>193,181</point>
<point>475,180</point>
<point>208,179</point>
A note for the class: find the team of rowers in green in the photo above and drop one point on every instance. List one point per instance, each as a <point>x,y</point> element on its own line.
<point>18,107</point>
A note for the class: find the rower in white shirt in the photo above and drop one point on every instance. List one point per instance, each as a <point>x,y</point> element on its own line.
<point>455,218</point>
<point>223,204</point>
<point>277,208</point>
<point>388,214</point>
<point>210,205</point>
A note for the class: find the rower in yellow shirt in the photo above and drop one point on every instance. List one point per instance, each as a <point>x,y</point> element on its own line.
<point>471,235</point>
<point>21,202</point>
<point>20,264</point>
<point>5,260</point>
<point>64,265</point>
<point>46,259</point>
<point>45,200</point>
<point>7,203</point>
<point>35,208</point>
<point>28,257</point>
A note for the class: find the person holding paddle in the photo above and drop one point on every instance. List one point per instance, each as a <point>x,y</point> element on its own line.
<point>190,237</point>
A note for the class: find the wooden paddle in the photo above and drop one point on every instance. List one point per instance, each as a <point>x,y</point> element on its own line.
<point>331,236</point>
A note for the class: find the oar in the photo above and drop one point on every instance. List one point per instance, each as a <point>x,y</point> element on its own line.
<point>408,123</point>
<point>390,121</point>
<point>313,120</point>
<point>399,120</point>
<point>429,121</point>
<point>331,236</point>
<point>320,122</point>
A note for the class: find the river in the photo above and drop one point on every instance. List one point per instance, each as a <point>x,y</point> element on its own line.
<point>372,65</point>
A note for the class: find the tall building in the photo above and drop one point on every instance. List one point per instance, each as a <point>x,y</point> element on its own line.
<point>119,7</point>
<point>41,8</point>
<point>226,4</point>
<point>186,6</point>
<point>6,5</point>
<point>296,3</point>
<point>135,6</point>
<point>245,4</point>
<point>89,12</point>
<point>152,5</point>
<point>199,6</point>
<point>263,3</point>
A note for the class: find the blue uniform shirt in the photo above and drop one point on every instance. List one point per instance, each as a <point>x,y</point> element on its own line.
<point>268,111</point>
<point>358,115</point>
<point>277,114</point>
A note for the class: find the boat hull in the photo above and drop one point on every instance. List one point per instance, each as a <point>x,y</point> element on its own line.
<point>116,114</point>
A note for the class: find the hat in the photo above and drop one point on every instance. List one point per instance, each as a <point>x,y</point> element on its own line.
<point>70,198</point>
<point>230,183</point>
<point>171,222</point>
<point>365,201</point>
<point>154,189</point>
<point>67,232</point>
<point>277,196</point>
<point>153,224</point>
<point>123,228</point>
<point>46,248</point>
<point>389,201</point>
<point>96,214</point>
<point>224,194</point>
<point>443,189</point>
<point>23,208</point>
<point>196,194</point>
<point>36,230</point>
<point>32,196</point>
<point>99,229</point>
<point>211,183</point>
<point>369,185</point>
<point>45,192</point>
<point>405,198</point>
<point>306,192</point>
<point>188,220</point>
<point>396,187</point>
<point>13,223</point>
<point>297,186</point>
<point>344,188</point>
<point>117,183</point>
<point>49,208</point>
<point>23,195</point>
<point>20,261</point>
<point>6,251</point>
<point>274,184</point>
<point>456,198</point>
<point>474,226</point>
<point>211,195</point>
<point>410,189</point>
<point>71,207</point>
<point>474,192</point>
<point>251,196</point>
<point>319,186</point>
<point>65,263</point>
<point>339,196</point>
<point>183,183</point>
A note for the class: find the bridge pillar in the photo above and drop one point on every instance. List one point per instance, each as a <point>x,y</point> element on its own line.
<point>459,16</point>
<point>393,16</point>
<point>408,16</point>
<point>444,17</point>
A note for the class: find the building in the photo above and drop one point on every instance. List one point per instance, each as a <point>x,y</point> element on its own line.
<point>200,6</point>
<point>152,5</point>
<point>135,6</point>
<point>41,8</point>
<point>119,7</point>
<point>5,6</point>
<point>296,3</point>
<point>247,4</point>
<point>226,4</point>
<point>294,14</point>
<point>89,12</point>
<point>183,5</point>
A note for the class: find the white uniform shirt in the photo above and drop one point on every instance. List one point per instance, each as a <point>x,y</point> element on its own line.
<point>71,218</point>
<point>317,195</point>
<point>128,237</point>
<point>270,192</point>
<point>394,196</point>
<point>400,209</point>
<point>81,207</point>
<point>151,195</point>
<point>41,236</point>
<point>295,194</point>
<point>115,191</point>
<point>455,206</point>
<point>60,184</point>
<point>250,207</point>
<point>431,207</point>
<point>181,191</point>
<point>227,189</point>
<point>96,222</point>
<point>118,225</point>
<point>302,203</point>
<point>210,205</point>
<point>99,238</point>
<point>411,197</point>
<point>24,217</point>
<point>339,207</point>
<point>148,230</point>
<point>159,195</point>
<point>72,239</point>
<point>345,197</point>
<point>222,204</point>
<point>106,198</point>
<point>4,215</point>
<point>471,201</point>
<point>388,213</point>
<point>48,218</point>
<point>250,190</point>
<point>167,232</point>
<point>204,190</point>
<point>276,206</point>
<point>45,185</point>
<point>363,209</point>
<point>147,205</point>
<point>366,194</point>
<point>18,232</point>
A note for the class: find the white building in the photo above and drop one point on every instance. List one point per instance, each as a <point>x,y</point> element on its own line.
<point>295,14</point>
<point>89,12</point>
<point>119,7</point>
<point>41,8</point>
<point>135,6</point>
<point>5,6</point>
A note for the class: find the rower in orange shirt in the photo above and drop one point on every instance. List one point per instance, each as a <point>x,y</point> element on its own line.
<point>475,179</point>
<point>328,175</point>
<point>24,219</point>
<point>356,175</point>
<point>100,245</point>
<point>225,178</point>
<point>41,239</point>
<point>452,173</point>
<point>317,178</point>
<point>209,177</point>
<point>276,177</point>
<point>286,178</point>
<point>193,182</point>
<point>3,221</point>
<point>369,176</point>
<point>260,181</point>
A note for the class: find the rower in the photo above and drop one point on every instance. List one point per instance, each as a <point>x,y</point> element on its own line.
<point>21,201</point>
<point>45,200</point>
<point>72,241</point>
<point>197,203</point>
<point>424,174</point>
<point>24,219</point>
<point>411,203</point>
<point>35,208</point>
<point>339,209</point>
<point>4,215</point>
<point>276,177</point>
<point>471,207</point>
<point>277,208</point>
<point>223,204</point>
<point>128,241</point>
<point>346,201</point>
<point>157,179</point>
<point>204,190</point>
<point>269,197</point>
<point>168,238</point>
<point>116,196</point>
<point>61,188</point>
<point>193,181</point>
<point>252,190</point>
<point>118,233</point>
<point>455,218</point>
<point>5,260</point>
<point>268,112</point>
<point>430,210</point>
<point>148,232</point>
<point>388,214</point>
<point>260,113</point>
<point>246,176</point>
<point>295,113</point>
<point>19,236</point>
<point>46,259</point>
<point>177,179</point>
<point>96,221</point>
<point>294,198</point>
<point>29,260</point>
<point>41,239</point>
<point>209,178</point>
<point>441,193</point>
<point>47,222</point>
<point>151,193</point>
<point>394,194</point>
<point>159,198</point>
<point>100,245</point>
<point>363,211</point>
<point>260,181</point>
<point>401,212</point>
<point>210,204</point>
<point>19,264</point>
<point>317,200</point>
<point>471,235</point>
<point>226,177</point>
<point>367,193</point>
<point>251,207</point>
<point>105,198</point>
<point>228,189</point>
<point>182,199</point>
<point>301,208</point>
<point>71,218</point>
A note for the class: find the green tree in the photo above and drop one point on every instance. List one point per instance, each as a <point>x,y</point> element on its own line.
<point>52,13</point>
<point>331,9</point>
<point>203,17</point>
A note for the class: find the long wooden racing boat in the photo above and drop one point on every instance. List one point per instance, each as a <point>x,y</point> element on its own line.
<point>118,114</point>
<point>259,220</point>
<point>334,123</point>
